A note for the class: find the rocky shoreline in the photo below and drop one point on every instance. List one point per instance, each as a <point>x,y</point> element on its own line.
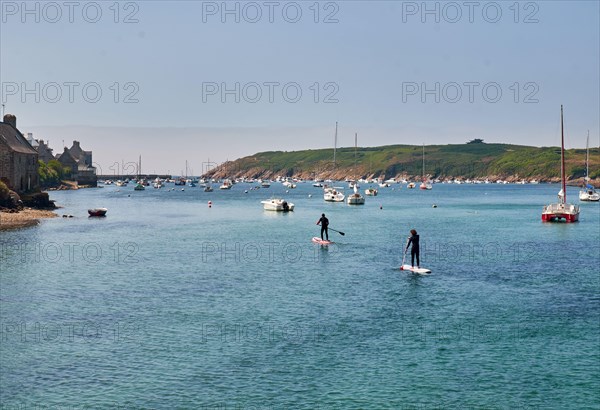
<point>342,175</point>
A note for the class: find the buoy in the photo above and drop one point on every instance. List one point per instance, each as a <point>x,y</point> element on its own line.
<point>183,189</point>
<point>434,206</point>
<point>380,206</point>
<point>310,195</point>
<point>246,191</point>
<point>286,191</point>
<point>209,204</point>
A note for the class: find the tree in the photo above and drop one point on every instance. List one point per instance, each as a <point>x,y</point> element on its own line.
<point>48,176</point>
<point>476,141</point>
<point>62,171</point>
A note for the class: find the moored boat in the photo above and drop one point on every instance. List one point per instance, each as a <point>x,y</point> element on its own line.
<point>277,204</point>
<point>227,184</point>
<point>333,195</point>
<point>356,198</point>
<point>588,192</point>
<point>371,191</point>
<point>562,210</point>
<point>97,211</point>
<point>425,185</point>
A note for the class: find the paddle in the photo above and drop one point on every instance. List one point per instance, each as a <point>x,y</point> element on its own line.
<point>340,232</point>
<point>404,256</point>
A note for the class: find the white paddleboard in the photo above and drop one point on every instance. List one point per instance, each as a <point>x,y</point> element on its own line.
<point>421,271</point>
<point>321,241</point>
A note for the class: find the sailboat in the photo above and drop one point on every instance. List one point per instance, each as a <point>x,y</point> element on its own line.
<point>562,210</point>
<point>425,184</point>
<point>588,192</point>
<point>356,198</point>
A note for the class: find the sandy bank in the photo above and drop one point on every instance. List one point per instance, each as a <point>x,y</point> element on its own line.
<point>23,219</point>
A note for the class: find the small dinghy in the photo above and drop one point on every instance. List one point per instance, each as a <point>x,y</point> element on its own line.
<point>97,211</point>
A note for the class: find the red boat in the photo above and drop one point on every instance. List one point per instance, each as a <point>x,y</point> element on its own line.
<point>97,212</point>
<point>562,211</point>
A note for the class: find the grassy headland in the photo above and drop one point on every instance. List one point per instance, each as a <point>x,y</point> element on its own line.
<point>462,161</point>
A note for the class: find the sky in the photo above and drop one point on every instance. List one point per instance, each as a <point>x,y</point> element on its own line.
<point>204,81</point>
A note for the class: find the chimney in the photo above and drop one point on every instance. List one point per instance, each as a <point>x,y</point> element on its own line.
<point>11,119</point>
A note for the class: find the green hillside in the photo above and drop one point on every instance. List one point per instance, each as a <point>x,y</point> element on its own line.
<point>474,160</point>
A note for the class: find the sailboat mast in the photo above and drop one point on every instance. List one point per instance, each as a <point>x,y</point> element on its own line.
<point>562,157</point>
<point>587,159</point>
<point>355,147</point>
<point>335,143</point>
<point>423,162</point>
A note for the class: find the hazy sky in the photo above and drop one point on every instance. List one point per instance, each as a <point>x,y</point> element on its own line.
<point>191,80</point>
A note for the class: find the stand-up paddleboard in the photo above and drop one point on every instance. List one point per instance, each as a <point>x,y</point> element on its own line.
<point>421,271</point>
<point>321,241</point>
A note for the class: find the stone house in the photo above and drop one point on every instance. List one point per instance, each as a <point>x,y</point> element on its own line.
<point>44,151</point>
<point>18,159</point>
<point>68,161</point>
<point>80,162</point>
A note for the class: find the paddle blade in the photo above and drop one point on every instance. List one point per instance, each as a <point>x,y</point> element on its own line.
<point>342,233</point>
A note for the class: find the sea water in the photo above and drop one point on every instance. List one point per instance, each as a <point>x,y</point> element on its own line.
<point>168,303</point>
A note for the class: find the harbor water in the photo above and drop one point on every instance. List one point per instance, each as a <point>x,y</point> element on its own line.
<point>167,303</point>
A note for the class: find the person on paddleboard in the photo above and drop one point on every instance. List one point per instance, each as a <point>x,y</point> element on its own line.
<point>414,251</point>
<point>324,222</point>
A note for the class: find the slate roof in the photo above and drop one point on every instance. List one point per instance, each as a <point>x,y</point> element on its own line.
<point>15,140</point>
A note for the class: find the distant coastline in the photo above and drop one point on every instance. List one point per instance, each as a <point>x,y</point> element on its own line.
<point>470,161</point>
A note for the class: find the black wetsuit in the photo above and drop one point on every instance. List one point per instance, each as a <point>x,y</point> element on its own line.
<point>414,251</point>
<point>324,224</point>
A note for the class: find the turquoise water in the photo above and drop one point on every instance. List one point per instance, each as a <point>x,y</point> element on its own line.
<point>167,303</point>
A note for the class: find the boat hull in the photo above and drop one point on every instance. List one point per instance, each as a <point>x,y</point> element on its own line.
<point>278,206</point>
<point>97,212</point>
<point>560,213</point>
<point>589,197</point>
<point>352,200</point>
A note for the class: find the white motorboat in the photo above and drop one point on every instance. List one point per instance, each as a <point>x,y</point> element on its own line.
<point>277,204</point>
<point>371,192</point>
<point>226,184</point>
<point>333,195</point>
